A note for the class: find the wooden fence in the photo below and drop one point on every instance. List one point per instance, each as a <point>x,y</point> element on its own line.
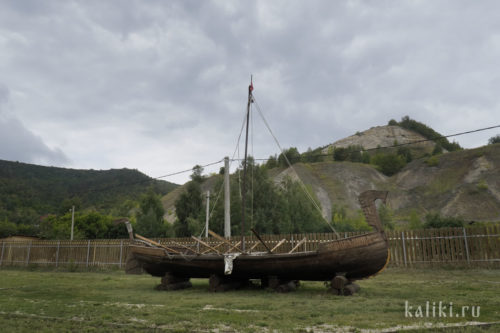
<point>446,246</point>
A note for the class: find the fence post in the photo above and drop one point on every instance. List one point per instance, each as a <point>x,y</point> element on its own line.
<point>3,250</point>
<point>121,252</point>
<point>28,256</point>
<point>466,247</point>
<point>404,246</point>
<point>57,253</point>
<point>88,252</point>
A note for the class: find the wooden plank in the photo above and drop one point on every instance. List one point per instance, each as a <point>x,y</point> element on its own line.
<point>260,240</point>
<point>454,244</point>
<point>222,239</point>
<point>215,247</point>
<point>183,246</point>
<point>279,244</point>
<point>205,244</point>
<point>156,244</point>
<point>298,244</point>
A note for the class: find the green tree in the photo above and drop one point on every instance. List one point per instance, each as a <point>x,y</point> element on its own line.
<point>340,154</point>
<point>438,149</point>
<point>292,154</point>
<point>188,207</point>
<point>429,133</point>
<point>494,139</point>
<point>7,229</point>
<point>197,175</point>
<point>405,152</point>
<point>389,164</point>
<point>300,215</point>
<point>272,162</point>
<point>150,216</point>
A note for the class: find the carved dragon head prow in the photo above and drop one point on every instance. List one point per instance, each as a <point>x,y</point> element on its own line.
<point>367,202</point>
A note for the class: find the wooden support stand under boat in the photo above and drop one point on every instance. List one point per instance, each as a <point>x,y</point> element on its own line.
<point>340,261</point>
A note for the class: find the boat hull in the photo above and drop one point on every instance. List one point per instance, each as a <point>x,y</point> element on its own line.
<point>357,257</point>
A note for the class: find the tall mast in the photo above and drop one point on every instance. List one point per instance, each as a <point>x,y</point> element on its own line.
<point>250,89</point>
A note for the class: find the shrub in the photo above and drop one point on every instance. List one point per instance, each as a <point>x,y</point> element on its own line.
<point>415,222</point>
<point>389,164</point>
<point>434,220</point>
<point>482,186</point>
<point>432,161</point>
<point>340,154</point>
<point>494,139</point>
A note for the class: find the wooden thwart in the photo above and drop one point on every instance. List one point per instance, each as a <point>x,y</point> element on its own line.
<point>222,239</point>
<point>298,244</point>
<point>281,242</point>
<point>205,244</point>
<point>185,247</point>
<point>152,242</point>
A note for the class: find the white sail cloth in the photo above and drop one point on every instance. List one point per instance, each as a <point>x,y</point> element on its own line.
<point>228,262</point>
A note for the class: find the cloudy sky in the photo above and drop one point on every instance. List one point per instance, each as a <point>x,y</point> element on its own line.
<point>160,86</point>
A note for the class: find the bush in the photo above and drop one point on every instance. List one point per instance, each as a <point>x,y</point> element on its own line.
<point>432,161</point>
<point>494,139</point>
<point>340,154</point>
<point>438,149</point>
<point>429,133</point>
<point>7,229</point>
<point>434,220</point>
<point>415,222</point>
<point>389,164</point>
<point>482,186</point>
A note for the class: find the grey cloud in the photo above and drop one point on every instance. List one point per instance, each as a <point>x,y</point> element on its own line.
<point>17,143</point>
<point>323,69</point>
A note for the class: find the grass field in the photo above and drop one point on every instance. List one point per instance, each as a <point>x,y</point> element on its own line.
<point>113,301</point>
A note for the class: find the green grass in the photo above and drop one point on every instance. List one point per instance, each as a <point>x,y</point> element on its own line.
<point>113,301</point>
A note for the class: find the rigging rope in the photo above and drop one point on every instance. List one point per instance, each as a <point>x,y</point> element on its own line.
<point>303,186</point>
<point>236,149</point>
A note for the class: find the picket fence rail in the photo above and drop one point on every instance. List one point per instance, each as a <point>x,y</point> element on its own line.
<point>476,246</point>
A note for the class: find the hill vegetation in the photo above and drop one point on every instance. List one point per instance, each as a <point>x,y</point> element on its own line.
<point>431,184</point>
<point>29,194</point>
<point>436,184</point>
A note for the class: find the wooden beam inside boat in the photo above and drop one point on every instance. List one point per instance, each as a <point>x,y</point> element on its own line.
<point>222,239</point>
<point>185,247</point>
<point>254,246</point>
<point>281,242</point>
<point>260,240</point>
<point>298,244</point>
<point>205,244</point>
<point>215,247</point>
<point>152,242</point>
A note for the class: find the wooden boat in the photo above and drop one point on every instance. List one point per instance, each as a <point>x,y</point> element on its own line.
<point>340,261</point>
<point>354,258</point>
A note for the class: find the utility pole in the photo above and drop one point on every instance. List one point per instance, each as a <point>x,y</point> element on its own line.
<point>208,214</point>
<point>72,221</point>
<point>227,203</point>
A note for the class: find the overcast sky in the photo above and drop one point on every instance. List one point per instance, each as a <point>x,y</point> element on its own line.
<point>160,86</point>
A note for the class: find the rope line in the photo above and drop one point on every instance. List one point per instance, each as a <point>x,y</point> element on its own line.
<point>303,186</point>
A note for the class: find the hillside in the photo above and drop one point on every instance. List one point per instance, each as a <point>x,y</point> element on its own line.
<point>464,183</point>
<point>385,136</point>
<point>29,191</point>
